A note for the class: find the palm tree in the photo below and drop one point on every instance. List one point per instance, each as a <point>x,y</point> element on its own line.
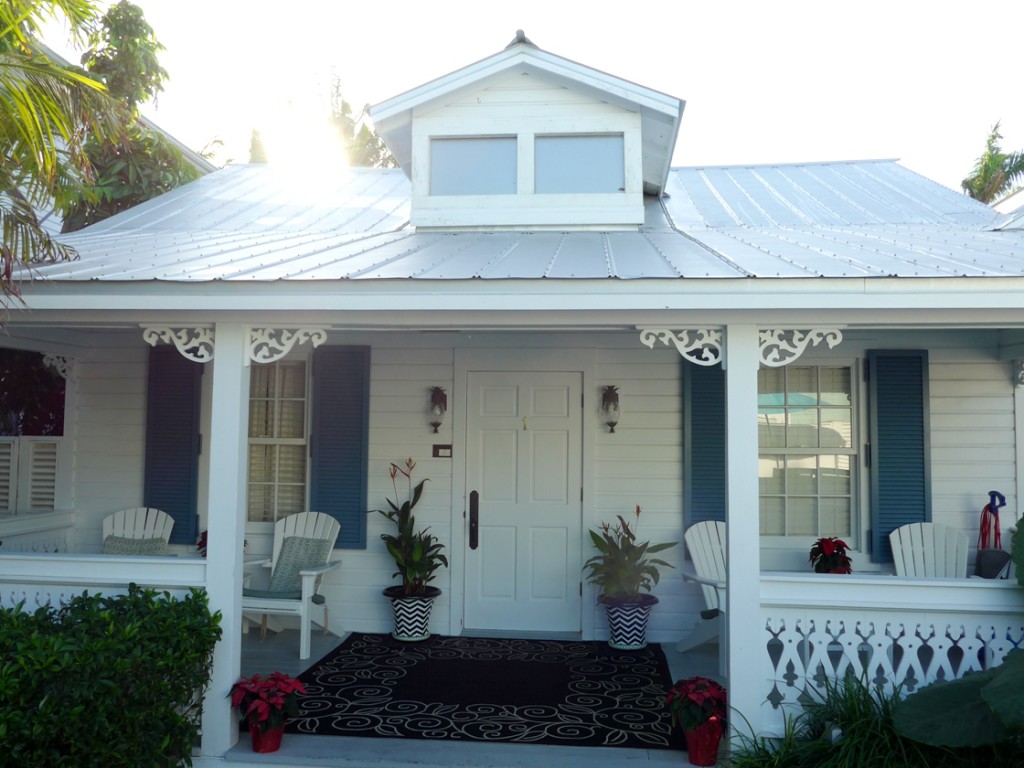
<point>45,112</point>
<point>996,172</point>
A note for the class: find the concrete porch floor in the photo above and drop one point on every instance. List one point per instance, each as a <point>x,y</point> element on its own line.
<point>279,652</point>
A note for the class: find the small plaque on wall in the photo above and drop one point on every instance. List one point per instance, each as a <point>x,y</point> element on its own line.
<point>442,451</point>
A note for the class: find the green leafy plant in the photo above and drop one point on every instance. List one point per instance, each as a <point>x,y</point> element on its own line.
<point>981,708</point>
<point>111,681</point>
<point>622,567</point>
<point>417,554</point>
<point>694,701</point>
<point>267,702</point>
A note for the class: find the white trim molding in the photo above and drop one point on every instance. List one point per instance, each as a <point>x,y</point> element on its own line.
<point>193,342</point>
<point>781,347</point>
<point>268,345</point>
<point>702,346</point>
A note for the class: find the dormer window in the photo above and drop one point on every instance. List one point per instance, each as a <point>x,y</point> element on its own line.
<point>567,164</point>
<point>473,166</point>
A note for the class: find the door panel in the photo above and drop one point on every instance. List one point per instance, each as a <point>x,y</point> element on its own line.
<point>523,457</point>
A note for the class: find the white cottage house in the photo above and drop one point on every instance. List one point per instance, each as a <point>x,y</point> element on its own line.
<point>800,350</point>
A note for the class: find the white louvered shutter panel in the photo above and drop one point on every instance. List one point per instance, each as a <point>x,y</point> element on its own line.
<point>41,471</point>
<point>8,475</point>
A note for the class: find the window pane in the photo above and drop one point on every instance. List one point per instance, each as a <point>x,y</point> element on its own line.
<point>772,478</point>
<point>291,500</point>
<point>565,164</point>
<point>291,466</point>
<point>802,516</point>
<point>835,516</point>
<point>261,418</point>
<point>474,166</point>
<point>771,428</point>
<point>31,395</point>
<point>834,475</point>
<point>293,419</point>
<point>835,386</point>
<point>836,428</point>
<point>802,386</point>
<point>293,380</point>
<point>261,503</point>
<point>773,516</point>
<point>801,475</point>
<point>802,428</point>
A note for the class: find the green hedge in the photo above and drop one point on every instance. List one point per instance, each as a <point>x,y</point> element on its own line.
<point>105,681</point>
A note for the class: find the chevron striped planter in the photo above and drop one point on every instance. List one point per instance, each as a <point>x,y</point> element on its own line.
<point>628,622</point>
<point>412,613</point>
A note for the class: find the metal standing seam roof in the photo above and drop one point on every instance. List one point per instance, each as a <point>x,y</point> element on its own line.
<point>842,219</point>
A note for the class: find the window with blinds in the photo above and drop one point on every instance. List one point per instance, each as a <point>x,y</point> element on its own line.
<point>806,440</point>
<point>277,440</point>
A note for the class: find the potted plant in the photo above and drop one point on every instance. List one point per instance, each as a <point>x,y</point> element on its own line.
<point>621,569</point>
<point>417,555</point>
<point>698,706</point>
<point>265,704</point>
<point>828,555</point>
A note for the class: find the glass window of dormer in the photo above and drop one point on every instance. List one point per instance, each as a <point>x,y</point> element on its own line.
<point>568,164</point>
<point>473,166</point>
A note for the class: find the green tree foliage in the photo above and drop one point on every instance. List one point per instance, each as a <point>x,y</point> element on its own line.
<point>141,163</point>
<point>363,147</point>
<point>46,111</point>
<point>996,172</point>
<point>257,152</point>
<point>105,681</point>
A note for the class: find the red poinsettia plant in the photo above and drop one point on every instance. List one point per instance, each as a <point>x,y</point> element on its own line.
<point>696,700</point>
<point>828,555</point>
<point>266,702</point>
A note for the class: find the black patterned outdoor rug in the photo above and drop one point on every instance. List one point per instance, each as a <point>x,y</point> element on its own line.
<point>474,689</point>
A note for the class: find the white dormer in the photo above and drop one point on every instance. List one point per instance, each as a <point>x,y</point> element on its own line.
<point>525,139</point>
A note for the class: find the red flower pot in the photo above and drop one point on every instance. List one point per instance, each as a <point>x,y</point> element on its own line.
<point>266,740</point>
<point>702,742</point>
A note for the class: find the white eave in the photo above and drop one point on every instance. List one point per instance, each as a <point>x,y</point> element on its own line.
<point>660,113</point>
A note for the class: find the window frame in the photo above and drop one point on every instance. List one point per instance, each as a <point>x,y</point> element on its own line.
<point>773,543</point>
<point>275,512</point>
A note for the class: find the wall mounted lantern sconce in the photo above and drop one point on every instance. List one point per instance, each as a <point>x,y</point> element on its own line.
<point>610,406</point>
<point>438,407</point>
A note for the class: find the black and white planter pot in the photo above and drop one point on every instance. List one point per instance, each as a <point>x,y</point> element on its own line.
<point>628,622</point>
<point>412,613</point>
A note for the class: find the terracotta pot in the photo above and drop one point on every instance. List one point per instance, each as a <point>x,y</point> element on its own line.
<point>702,742</point>
<point>268,740</point>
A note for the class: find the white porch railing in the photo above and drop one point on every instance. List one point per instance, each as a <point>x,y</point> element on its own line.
<point>39,578</point>
<point>883,628</point>
<point>37,532</point>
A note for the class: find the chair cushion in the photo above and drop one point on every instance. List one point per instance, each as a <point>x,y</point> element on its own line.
<point>122,545</point>
<point>298,553</point>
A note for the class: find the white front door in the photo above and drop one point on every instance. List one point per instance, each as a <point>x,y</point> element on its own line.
<point>524,483</point>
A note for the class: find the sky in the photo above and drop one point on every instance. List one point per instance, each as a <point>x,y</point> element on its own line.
<point>764,81</point>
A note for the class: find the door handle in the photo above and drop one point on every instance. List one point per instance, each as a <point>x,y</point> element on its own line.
<point>474,519</point>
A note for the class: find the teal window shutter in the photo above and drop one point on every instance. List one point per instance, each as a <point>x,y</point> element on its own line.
<point>339,440</point>
<point>899,444</point>
<point>171,477</point>
<point>703,442</point>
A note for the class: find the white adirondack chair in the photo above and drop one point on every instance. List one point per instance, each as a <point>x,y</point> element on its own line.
<point>705,541</point>
<point>930,550</point>
<point>303,544</point>
<point>137,531</point>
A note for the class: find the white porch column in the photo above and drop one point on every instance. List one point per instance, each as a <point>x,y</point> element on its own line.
<point>745,648</point>
<point>227,452</point>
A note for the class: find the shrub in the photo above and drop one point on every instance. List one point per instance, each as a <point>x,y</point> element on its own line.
<point>106,680</point>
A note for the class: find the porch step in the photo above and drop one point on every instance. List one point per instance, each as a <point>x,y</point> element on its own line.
<point>356,752</point>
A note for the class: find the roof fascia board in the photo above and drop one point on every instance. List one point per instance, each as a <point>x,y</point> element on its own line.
<point>542,61</point>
